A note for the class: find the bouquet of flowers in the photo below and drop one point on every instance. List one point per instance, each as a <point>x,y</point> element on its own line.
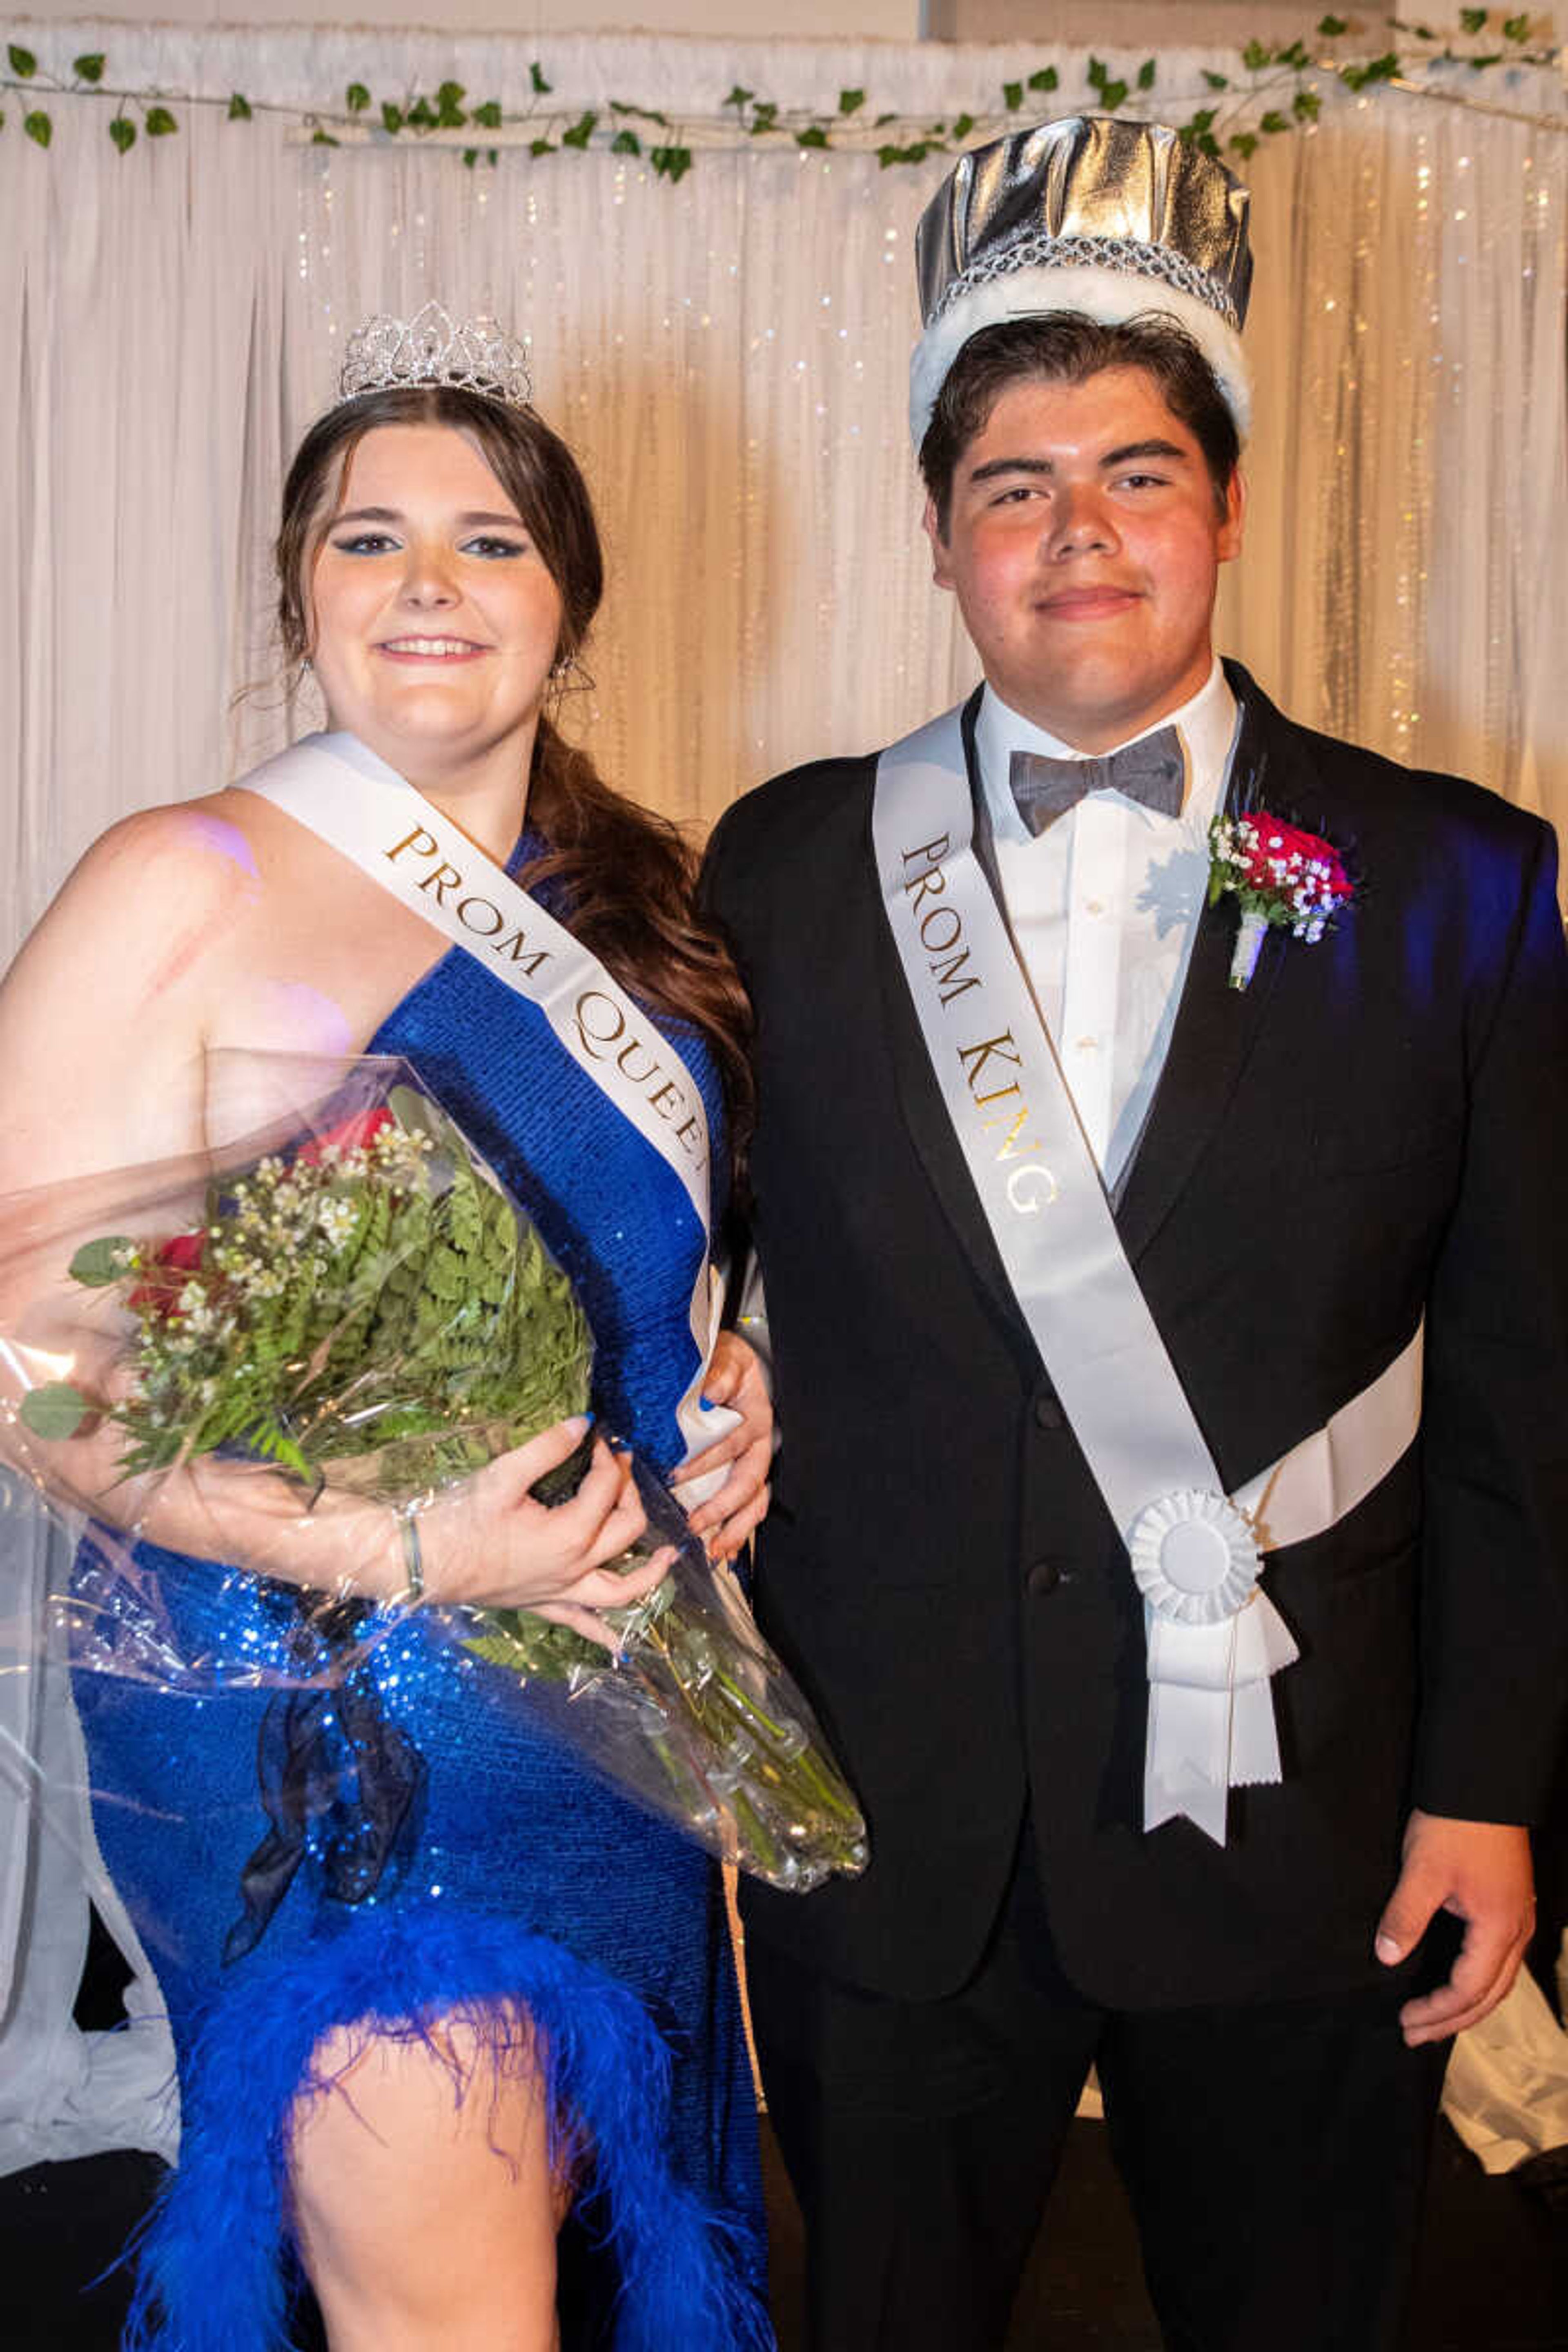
<point>365,1306</point>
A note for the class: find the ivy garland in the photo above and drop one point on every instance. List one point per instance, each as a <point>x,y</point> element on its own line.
<point>1284,79</point>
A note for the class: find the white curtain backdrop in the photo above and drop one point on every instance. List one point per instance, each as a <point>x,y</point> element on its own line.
<point>727,355</point>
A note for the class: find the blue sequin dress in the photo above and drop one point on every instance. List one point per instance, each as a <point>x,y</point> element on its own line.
<point>520,1876</point>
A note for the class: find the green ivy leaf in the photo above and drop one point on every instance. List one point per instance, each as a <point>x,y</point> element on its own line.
<point>38,127</point>
<point>671,163</point>
<point>98,1264</point>
<point>1294,57</point>
<point>581,130</point>
<point>626,143</point>
<point>123,130</point>
<point>536,77</point>
<point>739,97</point>
<point>357,96</point>
<point>451,93</point>
<point>882,118</point>
<point>1146,74</point>
<point>422,115</point>
<point>1209,143</point>
<point>159,123</point>
<point>813,136</point>
<point>1203,120</point>
<point>239,108</point>
<point>1256,55</point>
<point>1048,77</point>
<point>1013,97</point>
<point>542,146</point>
<point>1308,105</point>
<point>850,101</point>
<point>54,1411</point>
<point>1245,143</point>
<point>1216,81</point>
<point>765,115</point>
<point>1516,29</point>
<point>1113,95</point>
<point>1472,20</point>
<point>1330,27</point>
<point>962,124</point>
<point>391,117</point>
<point>470,156</point>
<point>1274,121</point>
<point>1099,73</point>
<point>488,114</point>
<point>24,64</point>
<point>319,138</point>
<point>88,69</point>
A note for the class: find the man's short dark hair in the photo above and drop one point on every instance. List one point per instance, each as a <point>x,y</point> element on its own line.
<point>1068,347</point>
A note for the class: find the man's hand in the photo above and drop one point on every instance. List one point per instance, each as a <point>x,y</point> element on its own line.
<point>726,1521</point>
<point>1479,1871</point>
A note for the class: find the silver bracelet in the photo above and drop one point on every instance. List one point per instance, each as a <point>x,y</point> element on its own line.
<point>412,1592</point>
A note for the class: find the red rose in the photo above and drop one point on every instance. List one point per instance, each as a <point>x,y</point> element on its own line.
<point>1276,839</point>
<point>180,1255</point>
<point>349,1135</point>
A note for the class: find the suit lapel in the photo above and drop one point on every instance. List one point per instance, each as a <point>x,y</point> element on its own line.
<point>1217,1027</point>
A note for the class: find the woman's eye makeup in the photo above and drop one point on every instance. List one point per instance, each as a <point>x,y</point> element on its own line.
<point>488,545</point>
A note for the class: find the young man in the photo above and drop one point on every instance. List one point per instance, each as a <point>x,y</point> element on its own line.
<point>1099,1288</point>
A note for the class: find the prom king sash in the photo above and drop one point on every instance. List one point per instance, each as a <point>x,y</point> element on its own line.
<point>341,792</point>
<point>1213,1636</point>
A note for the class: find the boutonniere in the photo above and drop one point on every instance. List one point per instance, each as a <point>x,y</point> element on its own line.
<point>1279,874</point>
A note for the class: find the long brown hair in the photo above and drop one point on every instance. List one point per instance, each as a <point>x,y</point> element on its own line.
<point>629,872</point>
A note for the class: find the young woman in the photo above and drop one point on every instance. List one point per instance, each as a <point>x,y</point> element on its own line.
<point>403,2088</point>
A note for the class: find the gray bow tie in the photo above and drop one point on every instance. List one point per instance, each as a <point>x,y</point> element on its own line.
<point>1153,771</point>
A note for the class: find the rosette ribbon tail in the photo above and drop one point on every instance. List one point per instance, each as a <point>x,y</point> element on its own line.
<point>1211,1715</point>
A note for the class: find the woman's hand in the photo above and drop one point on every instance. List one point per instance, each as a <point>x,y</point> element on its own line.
<point>726,1521</point>
<point>489,1544</point>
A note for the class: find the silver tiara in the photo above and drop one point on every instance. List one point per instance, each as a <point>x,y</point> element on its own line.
<point>399,355</point>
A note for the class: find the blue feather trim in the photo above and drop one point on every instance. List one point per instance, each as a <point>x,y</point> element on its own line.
<point>215,2266</point>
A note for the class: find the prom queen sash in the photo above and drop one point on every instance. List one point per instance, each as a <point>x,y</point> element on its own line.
<point>348,797</point>
<point>1213,1636</point>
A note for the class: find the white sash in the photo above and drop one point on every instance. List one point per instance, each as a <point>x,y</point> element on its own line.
<point>1213,1638</point>
<point>341,792</point>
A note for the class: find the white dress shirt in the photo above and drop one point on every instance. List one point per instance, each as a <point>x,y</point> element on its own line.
<point>1104,906</point>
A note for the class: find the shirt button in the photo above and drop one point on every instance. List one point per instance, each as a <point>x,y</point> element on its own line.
<point>1043,1578</point>
<point>1048,1413</point>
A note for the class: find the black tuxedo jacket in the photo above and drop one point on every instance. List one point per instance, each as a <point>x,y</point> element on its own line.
<point>1376,1128</point>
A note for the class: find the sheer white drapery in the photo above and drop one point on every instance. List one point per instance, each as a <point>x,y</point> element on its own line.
<point>729,356</point>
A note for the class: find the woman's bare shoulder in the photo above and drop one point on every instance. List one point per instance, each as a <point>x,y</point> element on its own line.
<point>199,853</point>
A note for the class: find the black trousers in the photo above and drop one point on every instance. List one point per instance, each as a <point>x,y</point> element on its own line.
<point>1275,2155</point>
